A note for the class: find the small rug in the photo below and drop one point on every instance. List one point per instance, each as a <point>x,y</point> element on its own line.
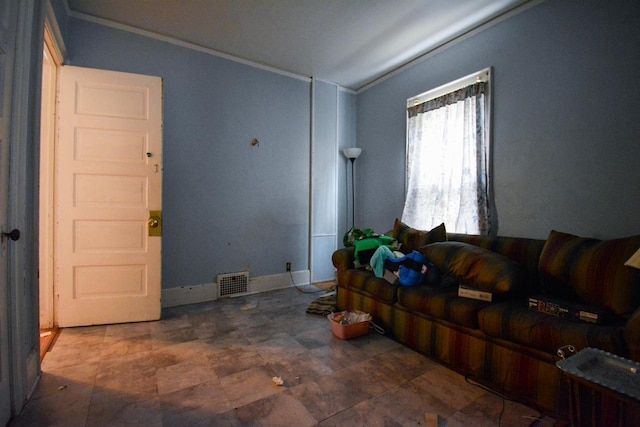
<point>323,305</point>
<point>327,286</point>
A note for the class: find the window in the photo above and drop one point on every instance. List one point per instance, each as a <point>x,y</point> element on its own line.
<point>448,157</point>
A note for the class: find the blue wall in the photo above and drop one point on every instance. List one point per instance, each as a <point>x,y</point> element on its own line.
<point>228,206</point>
<point>566,134</point>
<point>565,137</point>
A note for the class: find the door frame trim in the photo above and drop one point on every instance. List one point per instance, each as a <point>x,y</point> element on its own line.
<point>46,197</point>
<point>53,36</point>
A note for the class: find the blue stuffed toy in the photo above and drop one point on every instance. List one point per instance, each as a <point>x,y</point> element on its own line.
<point>414,268</point>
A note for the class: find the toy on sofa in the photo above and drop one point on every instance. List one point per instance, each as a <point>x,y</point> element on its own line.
<point>367,246</point>
<point>354,234</point>
<point>413,268</point>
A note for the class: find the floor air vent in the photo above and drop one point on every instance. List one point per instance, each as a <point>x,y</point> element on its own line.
<point>230,284</point>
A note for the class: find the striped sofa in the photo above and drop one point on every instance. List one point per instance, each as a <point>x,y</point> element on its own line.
<point>503,344</point>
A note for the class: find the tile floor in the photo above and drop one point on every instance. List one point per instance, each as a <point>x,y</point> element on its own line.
<point>212,364</point>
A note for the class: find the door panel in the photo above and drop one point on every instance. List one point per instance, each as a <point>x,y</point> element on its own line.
<point>8,18</point>
<point>108,179</point>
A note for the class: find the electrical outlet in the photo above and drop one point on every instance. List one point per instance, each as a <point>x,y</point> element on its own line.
<point>288,266</point>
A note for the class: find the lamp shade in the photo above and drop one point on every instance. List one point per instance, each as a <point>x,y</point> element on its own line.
<point>634,261</point>
<point>352,153</point>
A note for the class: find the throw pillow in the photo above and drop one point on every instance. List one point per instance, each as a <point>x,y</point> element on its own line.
<point>593,270</point>
<point>477,267</point>
<point>412,239</point>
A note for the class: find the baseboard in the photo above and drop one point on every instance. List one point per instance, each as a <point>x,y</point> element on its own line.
<point>194,294</point>
<point>184,295</point>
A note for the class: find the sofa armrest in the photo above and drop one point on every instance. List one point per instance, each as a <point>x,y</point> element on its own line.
<point>343,258</point>
<point>632,335</point>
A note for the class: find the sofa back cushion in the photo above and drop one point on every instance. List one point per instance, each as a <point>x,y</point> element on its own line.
<point>412,239</point>
<point>524,251</point>
<point>477,267</point>
<point>592,270</point>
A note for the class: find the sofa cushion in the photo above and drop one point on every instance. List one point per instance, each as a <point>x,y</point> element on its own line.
<point>477,267</point>
<point>412,239</point>
<point>513,322</point>
<point>592,271</point>
<point>525,252</point>
<point>444,304</point>
<point>368,284</point>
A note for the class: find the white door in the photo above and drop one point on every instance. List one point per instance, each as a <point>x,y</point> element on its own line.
<point>324,208</point>
<point>8,14</point>
<point>108,197</point>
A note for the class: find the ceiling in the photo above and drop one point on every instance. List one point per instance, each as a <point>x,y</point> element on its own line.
<point>349,42</point>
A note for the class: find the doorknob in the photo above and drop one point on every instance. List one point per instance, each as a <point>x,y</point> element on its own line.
<point>13,234</point>
<point>155,223</point>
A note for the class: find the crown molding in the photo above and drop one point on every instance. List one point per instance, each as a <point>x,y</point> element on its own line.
<point>183,43</point>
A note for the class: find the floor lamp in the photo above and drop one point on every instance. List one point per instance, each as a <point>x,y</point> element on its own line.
<point>352,154</point>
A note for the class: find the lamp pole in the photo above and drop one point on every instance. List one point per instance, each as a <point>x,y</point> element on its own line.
<point>353,194</point>
<point>352,154</point>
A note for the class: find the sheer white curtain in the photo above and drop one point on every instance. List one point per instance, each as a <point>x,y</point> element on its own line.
<point>447,162</point>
